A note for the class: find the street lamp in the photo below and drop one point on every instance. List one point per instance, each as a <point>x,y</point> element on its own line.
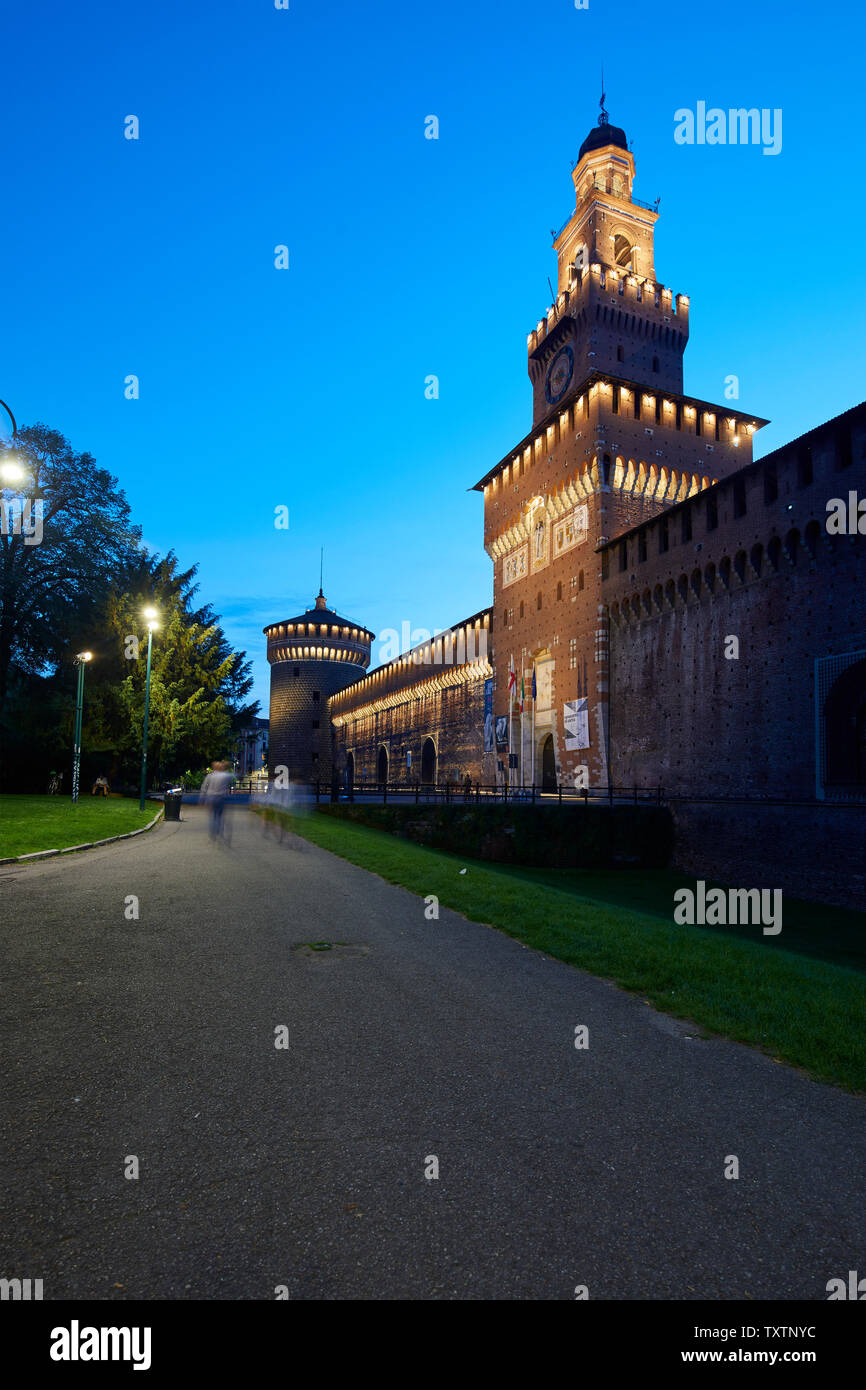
<point>150,614</point>
<point>11,472</point>
<point>81,661</point>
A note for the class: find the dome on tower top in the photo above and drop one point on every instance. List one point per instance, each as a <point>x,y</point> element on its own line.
<point>601,135</point>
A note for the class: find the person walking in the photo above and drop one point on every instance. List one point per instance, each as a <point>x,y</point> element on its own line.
<point>215,792</point>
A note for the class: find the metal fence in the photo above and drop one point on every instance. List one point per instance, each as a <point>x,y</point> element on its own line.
<point>448,793</point>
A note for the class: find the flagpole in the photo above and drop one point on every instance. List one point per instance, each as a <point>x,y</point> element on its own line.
<point>510,715</point>
<point>521,744</point>
<point>533,724</point>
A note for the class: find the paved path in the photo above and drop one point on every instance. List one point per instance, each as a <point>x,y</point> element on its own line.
<point>305,1168</point>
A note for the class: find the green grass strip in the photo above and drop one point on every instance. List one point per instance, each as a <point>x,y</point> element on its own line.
<point>32,823</point>
<point>798,1009</point>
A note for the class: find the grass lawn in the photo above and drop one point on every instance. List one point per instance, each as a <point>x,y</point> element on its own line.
<point>31,823</point>
<point>783,998</point>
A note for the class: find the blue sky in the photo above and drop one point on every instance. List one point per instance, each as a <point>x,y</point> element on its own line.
<point>408,257</point>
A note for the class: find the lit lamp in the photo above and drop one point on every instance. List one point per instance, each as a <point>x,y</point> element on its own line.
<point>81,661</point>
<point>150,615</point>
<point>11,472</point>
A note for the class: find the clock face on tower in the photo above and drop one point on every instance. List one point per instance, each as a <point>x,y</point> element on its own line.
<point>559,375</point>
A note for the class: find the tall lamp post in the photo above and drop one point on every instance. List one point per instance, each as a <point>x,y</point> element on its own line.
<point>81,661</point>
<point>151,615</point>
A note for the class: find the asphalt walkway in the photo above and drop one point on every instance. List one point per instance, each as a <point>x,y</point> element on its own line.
<point>305,1167</point>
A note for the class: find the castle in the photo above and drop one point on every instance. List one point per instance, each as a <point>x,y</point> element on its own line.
<point>685,616</point>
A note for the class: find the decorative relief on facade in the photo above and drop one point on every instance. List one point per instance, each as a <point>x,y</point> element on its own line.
<point>540,534</point>
<point>515,566</point>
<point>544,680</point>
<point>571,531</point>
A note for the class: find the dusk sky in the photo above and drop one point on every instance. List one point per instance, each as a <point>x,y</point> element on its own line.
<point>409,257</point>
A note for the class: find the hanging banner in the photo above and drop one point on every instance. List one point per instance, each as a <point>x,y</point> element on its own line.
<point>488,716</point>
<point>575,719</point>
<point>501,732</point>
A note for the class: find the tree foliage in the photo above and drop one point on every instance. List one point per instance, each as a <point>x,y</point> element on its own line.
<point>50,591</point>
<point>85,587</point>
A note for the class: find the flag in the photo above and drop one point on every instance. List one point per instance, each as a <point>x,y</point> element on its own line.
<point>512,679</point>
<point>522,693</point>
<point>534,686</point>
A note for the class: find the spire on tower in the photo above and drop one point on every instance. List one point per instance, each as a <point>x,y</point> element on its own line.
<point>602,119</point>
<point>320,597</point>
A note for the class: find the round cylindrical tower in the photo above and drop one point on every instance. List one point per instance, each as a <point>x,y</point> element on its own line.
<point>311,658</point>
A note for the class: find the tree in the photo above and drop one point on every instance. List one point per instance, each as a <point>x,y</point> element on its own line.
<point>198,683</point>
<point>49,591</point>
<point>83,586</point>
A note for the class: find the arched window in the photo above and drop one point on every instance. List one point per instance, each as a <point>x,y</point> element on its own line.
<point>428,762</point>
<point>621,250</point>
<point>521,608</point>
<point>538,600</point>
<point>580,580</point>
<point>559,590</point>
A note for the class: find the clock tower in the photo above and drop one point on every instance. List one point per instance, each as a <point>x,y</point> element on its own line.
<point>610,315</point>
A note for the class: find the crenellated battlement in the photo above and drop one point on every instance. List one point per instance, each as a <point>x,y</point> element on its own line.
<point>653,303</point>
<point>767,519</point>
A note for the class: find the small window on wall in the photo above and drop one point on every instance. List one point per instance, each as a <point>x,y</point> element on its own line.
<point>538,601</point>
<point>655,364</point>
<point>559,590</point>
<point>296,671</point>
<point>521,608</point>
<point>505,617</point>
<point>620,355</point>
<point>580,580</point>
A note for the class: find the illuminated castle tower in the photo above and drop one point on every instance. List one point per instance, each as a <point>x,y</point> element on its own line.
<point>614,443</point>
<point>311,658</point>
<point>609,315</point>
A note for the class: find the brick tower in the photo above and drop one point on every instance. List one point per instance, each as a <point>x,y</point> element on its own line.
<point>311,658</point>
<point>614,441</point>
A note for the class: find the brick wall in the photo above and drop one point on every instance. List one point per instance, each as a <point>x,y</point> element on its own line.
<point>759,567</point>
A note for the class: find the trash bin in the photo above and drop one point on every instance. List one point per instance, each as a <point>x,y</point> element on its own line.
<point>172,802</point>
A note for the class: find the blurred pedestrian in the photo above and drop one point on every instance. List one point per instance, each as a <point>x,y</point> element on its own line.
<point>215,792</point>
